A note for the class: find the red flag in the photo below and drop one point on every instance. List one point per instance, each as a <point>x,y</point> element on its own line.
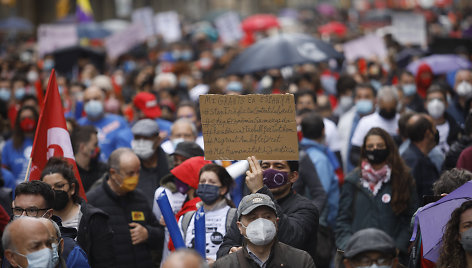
<point>52,138</point>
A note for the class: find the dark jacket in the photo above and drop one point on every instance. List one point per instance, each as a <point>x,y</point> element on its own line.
<point>455,151</point>
<point>454,129</point>
<point>308,179</point>
<point>298,224</point>
<point>360,209</point>
<point>95,236</point>
<point>422,169</point>
<point>132,207</point>
<point>281,255</point>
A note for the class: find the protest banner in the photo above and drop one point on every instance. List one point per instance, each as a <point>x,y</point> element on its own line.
<point>167,24</point>
<point>124,41</point>
<point>53,37</point>
<point>235,127</point>
<point>409,28</point>
<point>229,27</point>
<point>52,138</point>
<point>365,47</point>
<point>145,17</point>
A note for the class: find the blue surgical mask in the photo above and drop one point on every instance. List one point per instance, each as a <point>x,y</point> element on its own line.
<point>409,89</point>
<point>5,94</point>
<point>186,55</point>
<point>55,255</point>
<point>48,64</point>
<point>20,93</point>
<point>39,259</point>
<point>376,84</point>
<point>364,107</point>
<point>94,108</point>
<point>234,86</point>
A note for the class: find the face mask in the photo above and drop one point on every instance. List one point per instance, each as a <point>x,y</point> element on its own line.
<point>55,255</point>
<point>39,259</point>
<point>374,265</point>
<point>218,52</point>
<point>5,94</point>
<point>274,178</point>
<point>376,156</point>
<point>20,93</point>
<point>376,84</point>
<point>143,148</point>
<point>260,232</point>
<point>32,76</point>
<point>208,193</point>
<point>387,114</point>
<point>94,108</point>
<point>175,142</point>
<point>205,63</point>
<point>436,108</point>
<point>48,64</point>
<point>129,183</point>
<point>61,198</point>
<point>464,89</point>
<point>364,107</point>
<point>186,55</point>
<point>234,86</point>
<point>466,240</point>
<point>27,124</point>
<point>409,89</point>
<point>181,186</point>
<point>119,80</point>
<point>345,102</point>
<point>176,55</point>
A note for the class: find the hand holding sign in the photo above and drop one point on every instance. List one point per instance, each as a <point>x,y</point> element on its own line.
<point>254,175</point>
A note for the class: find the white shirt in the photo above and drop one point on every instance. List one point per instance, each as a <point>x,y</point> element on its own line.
<point>374,120</point>
<point>333,140</point>
<point>74,221</point>
<point>443,133</point>
<point>344,130</point>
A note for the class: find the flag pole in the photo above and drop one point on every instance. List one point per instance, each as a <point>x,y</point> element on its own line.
<point>28,169</point>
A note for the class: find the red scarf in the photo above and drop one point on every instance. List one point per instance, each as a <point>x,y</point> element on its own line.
<point>373,179</point>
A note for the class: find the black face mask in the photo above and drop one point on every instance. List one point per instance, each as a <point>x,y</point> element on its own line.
<point>61,198</point>
<point>387,114</point>
<point>377,156</point>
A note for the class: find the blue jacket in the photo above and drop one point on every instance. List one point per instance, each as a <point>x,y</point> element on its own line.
<point>113,133</point>
<point>319,155</point>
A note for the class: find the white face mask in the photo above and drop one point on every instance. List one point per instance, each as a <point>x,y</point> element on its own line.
<point>436,108</point>
<point>260,232</point>
<point>39,259</point>
<point>175,142</point>
<point>464,89</point>
<point>142,148</point>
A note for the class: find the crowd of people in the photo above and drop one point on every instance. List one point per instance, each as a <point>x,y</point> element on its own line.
<point>377,143</point>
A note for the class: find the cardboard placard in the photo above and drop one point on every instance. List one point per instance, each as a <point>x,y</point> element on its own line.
<point>236,127</point>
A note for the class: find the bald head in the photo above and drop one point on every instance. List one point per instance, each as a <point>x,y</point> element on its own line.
<point>185,258</point>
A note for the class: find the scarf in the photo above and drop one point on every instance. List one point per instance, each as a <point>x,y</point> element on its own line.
<point>373,179</point>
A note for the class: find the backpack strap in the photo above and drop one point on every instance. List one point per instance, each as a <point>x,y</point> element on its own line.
<point>230,217</point>
<point>186,222</point>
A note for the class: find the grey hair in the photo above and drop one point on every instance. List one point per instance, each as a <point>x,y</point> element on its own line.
<point>182,253</point>
<point>185,121</point>
<point>6,239</point>
<point>388,93</point>
<point>115,156</point>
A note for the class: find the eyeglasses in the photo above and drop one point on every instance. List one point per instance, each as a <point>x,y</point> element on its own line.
<point>32,212</point>
<point>366,261</point>
<point>59,186</point>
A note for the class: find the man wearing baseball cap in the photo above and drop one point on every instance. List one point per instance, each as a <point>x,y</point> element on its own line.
<point>257,223</point>
<point>370,248</point>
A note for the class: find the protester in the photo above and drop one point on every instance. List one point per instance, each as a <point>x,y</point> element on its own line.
<point>182,130</point>
<point>113,130</point>
<point>15,153</point>
<point>184,151</point>
<point>298,217</point>
<point>87,155</point>
<point>380,194</point>
<point>154,165</point>
<point>411,100</point>
<point>36,199</point>
<point>27,242</point>
<point>184,258</point>
<point>135,229</point>
<point>456,241</point>
<point>369,247</point>
<point>94,234</point>
<point>214,184</point>
<point>464,141</point>
<point>424,137</point>
<point>463,92</point>
<point>258,222</point>
<point>57,242</point>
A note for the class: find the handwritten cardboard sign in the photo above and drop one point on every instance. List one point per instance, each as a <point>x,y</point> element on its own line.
<point>235,127</point>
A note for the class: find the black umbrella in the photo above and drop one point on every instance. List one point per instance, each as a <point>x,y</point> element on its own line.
<point>280,51</point>
<point>66,59</point>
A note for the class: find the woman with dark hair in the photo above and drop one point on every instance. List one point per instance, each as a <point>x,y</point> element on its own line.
<point>380,193</point>
<point>214,184</point>
<point>94,235</point>
<point>17,150</point>
<point>456,250</point>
